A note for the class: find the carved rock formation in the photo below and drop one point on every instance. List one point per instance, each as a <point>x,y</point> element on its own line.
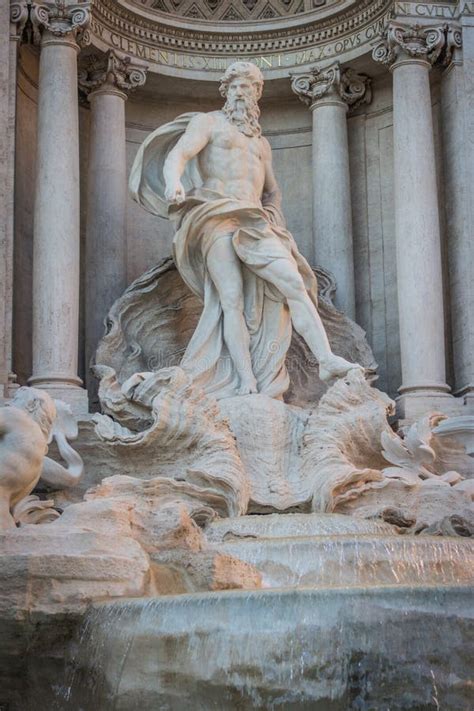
<point>348,445</point>
<point>341,457</point>
<point>182,436</point>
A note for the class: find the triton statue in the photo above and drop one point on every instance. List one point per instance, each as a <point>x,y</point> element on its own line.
<point>211,173</point>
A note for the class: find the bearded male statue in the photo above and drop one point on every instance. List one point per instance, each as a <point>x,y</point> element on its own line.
<point>211,174</point>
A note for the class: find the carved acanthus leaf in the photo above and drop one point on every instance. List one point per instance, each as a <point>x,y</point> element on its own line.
<point>60,18</point>
<point>346,84</point>
<point>417,41</point>
<point>113,70</point>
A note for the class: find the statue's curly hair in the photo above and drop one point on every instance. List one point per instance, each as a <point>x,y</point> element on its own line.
<point>242,69</point>
<point>38,405</point>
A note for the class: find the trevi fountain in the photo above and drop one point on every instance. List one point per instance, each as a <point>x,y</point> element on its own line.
<point>236,355</point>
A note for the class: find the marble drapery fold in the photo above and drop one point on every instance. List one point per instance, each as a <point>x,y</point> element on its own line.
<point>259,237</point>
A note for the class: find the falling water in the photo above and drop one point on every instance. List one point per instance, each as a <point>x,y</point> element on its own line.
<point>333,650</point>
<point>360,621</point>
<point>324,561</point>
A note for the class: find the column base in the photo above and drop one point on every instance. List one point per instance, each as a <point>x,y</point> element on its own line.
<point>69,391</point>
<point>414,404</point>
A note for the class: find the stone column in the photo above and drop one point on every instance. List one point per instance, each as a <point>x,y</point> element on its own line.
<point>329,92</point>
<point>107,84</point>
<point>457,104</point>
<point>410,52</point>
<point>56,216</point>
<point>13,17</point>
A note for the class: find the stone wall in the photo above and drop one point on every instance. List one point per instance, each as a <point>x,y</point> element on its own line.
<point>25,169</point>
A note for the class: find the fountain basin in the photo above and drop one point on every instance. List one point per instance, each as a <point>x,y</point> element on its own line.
<point>326,561</point>
<point>381,648</point>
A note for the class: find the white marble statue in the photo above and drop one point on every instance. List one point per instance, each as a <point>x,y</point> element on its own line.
<point>212,174</point>
<point>27,426</point>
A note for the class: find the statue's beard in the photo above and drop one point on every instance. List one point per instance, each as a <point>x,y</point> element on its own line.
<point>244,114</point>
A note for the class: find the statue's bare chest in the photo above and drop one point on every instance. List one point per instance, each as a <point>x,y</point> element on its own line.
<point>228,138</point>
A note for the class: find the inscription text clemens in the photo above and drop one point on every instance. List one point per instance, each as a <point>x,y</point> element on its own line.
<point>213,63</point>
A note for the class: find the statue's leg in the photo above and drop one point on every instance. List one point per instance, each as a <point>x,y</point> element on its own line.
<point>226,273</point>
<point>284,274</point>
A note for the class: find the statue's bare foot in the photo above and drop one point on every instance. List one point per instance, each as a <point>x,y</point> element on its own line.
<point>248,386</point>
<point>336,367</point>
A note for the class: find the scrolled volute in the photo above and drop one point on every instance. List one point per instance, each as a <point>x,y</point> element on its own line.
<point>345,84</point>
<point>418,42</point>
<point>60,18</point>
<point>19,12</point>
<point>112,70</point>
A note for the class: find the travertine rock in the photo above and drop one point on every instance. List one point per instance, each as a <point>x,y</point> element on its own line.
<point>165,518</point>
<point>349,444</point>
<point>341,457</point>
<point>269,437</point>
<point>64,568</point>
<point>182,434</point>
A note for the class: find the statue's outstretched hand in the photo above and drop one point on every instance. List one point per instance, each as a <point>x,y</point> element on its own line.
<point>175,192</point>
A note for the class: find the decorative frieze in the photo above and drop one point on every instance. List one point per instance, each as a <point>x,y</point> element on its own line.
<point>148,36</point>
<point>332,82</point>
<point>430,43</point>
<point>111,70</point>
<point>61,19</point>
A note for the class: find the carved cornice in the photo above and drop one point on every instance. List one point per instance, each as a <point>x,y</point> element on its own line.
<point>332,82</point>
<point>237,41</point>
<point>232,10</point>
<point>19,12</point>
<point>61,19</point>
<point>429,43</point>
<point>111,71</point>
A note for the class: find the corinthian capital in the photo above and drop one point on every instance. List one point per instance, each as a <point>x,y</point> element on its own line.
<point>111,71</point>
<point>61,18</point>
<point>332,82</point>
<point>418,42</point>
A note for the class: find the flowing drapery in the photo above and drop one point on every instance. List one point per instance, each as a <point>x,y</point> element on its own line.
<point>259,237</point>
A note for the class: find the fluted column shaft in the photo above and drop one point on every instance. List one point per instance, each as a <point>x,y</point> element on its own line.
<point>56,217</point>
<point>329,93</point>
